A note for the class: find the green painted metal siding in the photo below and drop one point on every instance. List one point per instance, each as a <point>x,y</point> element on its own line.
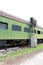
<point>9,33</point>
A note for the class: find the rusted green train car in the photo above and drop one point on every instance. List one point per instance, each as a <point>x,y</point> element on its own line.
<point>15,30</point>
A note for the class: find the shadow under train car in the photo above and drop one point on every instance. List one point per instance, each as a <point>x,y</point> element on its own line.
<point>2,43</point>
<point>6,43</point>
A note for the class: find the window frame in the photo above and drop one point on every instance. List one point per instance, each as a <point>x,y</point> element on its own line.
<point>16,27</point>
<point>38,32</point>
<point>26,29</point>
<point>6,25</point>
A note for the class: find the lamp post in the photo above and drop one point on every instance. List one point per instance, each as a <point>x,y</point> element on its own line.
<point>32,27</point>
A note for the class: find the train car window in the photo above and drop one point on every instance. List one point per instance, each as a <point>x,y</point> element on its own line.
<point>38,32</point>
<point>26,30</point>
<point>3,25</point>
<point>16,28</point>
<point>34,31</point>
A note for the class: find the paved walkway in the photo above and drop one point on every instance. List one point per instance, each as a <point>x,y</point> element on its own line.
<point>36,60</point>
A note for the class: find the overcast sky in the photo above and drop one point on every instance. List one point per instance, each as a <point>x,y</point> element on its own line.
<point>24,9</point>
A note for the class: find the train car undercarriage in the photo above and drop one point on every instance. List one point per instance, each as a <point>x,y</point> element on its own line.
<point>14,42</point>
<point>18,42</point>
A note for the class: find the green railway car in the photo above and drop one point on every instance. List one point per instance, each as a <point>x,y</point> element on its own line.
<point>39,34</point>
<point>13,29</point>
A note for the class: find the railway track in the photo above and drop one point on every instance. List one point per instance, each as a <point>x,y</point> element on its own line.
<point>9,49</point>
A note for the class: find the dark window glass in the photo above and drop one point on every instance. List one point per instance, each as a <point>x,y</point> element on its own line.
<point>38,32</point>
<point>34,31</point>
<point>16,28</point>
<point>26,29</point>
<point>3,25</point>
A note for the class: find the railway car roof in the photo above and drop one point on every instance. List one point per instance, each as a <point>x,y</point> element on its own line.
<point>2,13</point>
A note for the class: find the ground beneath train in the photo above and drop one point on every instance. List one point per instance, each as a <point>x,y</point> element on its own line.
<point>36,57</point>
<point>36,60</point>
